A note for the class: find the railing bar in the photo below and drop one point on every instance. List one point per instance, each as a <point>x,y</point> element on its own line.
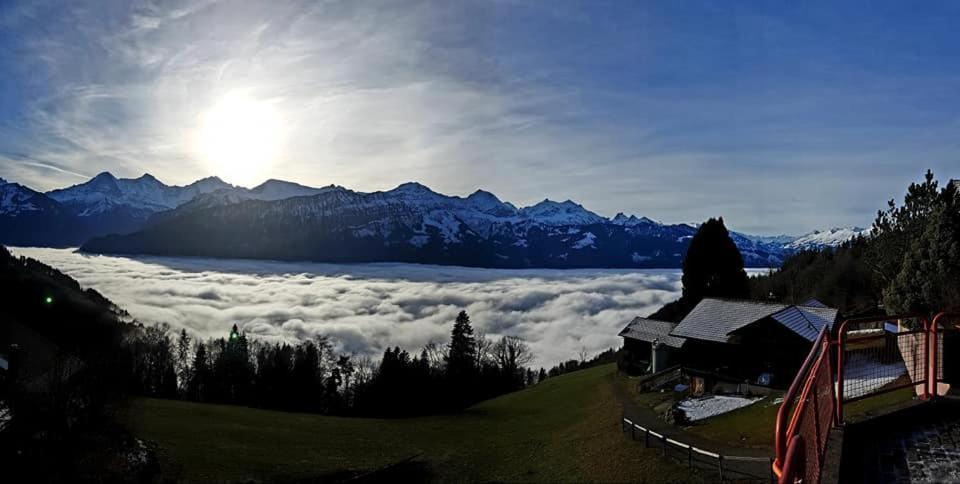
<point>881,392</point>
<point>746,459</point>
<point>678,444</point>
<point>705,452</point>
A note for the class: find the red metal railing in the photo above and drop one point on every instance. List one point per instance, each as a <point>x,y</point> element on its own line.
<point>949,322</point>
<point>805,416</point>
<point>875,355</point>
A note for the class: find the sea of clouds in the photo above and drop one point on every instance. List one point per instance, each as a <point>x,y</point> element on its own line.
<point>368,307</point>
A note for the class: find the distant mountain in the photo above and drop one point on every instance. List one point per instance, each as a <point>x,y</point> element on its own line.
<point>412,223</point>
<point>120,205</point>
<point>28,217</point>
<point>109,205</point>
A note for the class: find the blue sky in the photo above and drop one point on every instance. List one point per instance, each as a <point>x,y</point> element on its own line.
<point>779,116</point>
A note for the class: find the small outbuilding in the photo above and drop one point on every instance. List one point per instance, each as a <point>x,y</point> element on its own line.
<point>648,344</point>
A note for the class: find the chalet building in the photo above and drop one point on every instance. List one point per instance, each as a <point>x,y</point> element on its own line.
<point>749,341</point>
<point>649,346</point>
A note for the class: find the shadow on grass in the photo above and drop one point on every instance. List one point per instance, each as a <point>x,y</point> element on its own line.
<point>407,470</point>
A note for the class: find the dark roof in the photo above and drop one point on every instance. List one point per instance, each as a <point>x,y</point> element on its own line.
<point>813,303</point>
<point>715,319</point>
<point>644,329</point>
<point>806,321</point>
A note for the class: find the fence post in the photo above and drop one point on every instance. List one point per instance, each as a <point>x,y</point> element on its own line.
<point>933,356</point>
<point>689,455</point>
<point>646,438</point>
<point>633,432</point>
<point>720,464</point>
<point>663,441</point>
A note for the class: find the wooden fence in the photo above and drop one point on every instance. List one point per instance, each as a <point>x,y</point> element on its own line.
<point>727,466</point>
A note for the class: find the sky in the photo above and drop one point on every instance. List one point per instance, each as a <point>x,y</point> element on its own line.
<point>782,117</point>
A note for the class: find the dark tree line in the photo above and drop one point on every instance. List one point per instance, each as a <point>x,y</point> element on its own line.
<point>311,377</point>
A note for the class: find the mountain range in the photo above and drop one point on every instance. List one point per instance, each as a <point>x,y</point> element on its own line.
<point>411,223</point>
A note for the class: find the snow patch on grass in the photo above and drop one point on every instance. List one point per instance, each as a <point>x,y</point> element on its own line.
<point>700,408</point>
<point>862,375</point>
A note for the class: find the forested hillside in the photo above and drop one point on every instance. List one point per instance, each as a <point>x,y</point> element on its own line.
<point>909,262</point>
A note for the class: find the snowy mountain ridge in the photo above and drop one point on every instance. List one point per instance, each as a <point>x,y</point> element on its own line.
<point>411,216</point>
<point>819,239</point>
<point>146,194</point>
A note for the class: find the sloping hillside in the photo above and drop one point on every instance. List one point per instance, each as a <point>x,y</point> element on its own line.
<point>565,429</point>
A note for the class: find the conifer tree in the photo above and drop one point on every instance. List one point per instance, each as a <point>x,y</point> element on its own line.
<point>712,267</point>
<point>199,374</point>
<point>461,358</point>
<point>183,360</point>
<point>921,241</point>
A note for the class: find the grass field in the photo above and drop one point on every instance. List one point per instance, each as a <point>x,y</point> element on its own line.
<point>565,429</point>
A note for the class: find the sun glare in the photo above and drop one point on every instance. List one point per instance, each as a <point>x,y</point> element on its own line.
<point>241,137</point>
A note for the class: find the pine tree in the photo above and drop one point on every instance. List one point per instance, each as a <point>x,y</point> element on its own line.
<point>199,374</point>
<point>895,229</point>
<point>928,278</point>
<point>712,267</point>
<point>461,358</point>
<point>183,360</point>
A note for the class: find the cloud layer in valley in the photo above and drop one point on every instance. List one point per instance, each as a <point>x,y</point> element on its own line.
<point>368,307</point>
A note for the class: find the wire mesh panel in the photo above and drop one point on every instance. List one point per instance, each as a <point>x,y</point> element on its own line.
<point>881,355</point>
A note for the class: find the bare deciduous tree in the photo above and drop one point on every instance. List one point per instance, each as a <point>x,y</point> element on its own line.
<point>436,355</point>
<point>512,354</point>
<point>484,348</point>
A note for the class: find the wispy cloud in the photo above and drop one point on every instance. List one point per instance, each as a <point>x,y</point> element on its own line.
<point>657,109</point>
<point>366,308</point>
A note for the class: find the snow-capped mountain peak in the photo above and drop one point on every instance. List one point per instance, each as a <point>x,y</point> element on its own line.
<point>16,199</point>
<point>488,203</point>
<point>631,221</point>
<point>141,196</point>
<point>833,237</point>
<point>413,189</point>
<point>278,190</point>
<point>568,212</point>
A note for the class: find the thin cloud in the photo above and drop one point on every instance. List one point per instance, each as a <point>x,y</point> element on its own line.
<point>643,108</point>
<point>367,308</point>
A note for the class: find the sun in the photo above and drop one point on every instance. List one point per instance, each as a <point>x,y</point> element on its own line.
<point>241,137</point>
